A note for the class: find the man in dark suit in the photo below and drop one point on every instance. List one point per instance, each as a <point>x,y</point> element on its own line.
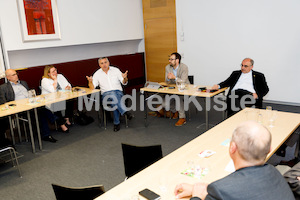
<point>249,147</point>
<point>7,94</point>
<point>246,85</point>
<point>16,89</point>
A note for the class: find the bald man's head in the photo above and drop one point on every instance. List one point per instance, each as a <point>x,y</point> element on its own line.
<point>253,141</point>
<point>11,75</point>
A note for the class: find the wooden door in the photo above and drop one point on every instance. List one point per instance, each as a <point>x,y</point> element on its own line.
<point>160,36</point>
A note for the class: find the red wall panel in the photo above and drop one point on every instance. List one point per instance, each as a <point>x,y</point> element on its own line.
<point>77,71</point>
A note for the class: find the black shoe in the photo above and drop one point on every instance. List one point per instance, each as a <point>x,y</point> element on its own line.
<point>50,139</point>
<point>129,115</point>
<point>116,127</point>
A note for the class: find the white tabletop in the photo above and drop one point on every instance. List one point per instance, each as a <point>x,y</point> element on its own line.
<point>162,176</point>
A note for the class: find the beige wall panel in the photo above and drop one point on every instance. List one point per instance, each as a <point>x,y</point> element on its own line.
<point>158,9</point>
<point>160,36</point>
<point>160,42</point>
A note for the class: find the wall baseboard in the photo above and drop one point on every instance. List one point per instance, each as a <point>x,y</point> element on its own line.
<point>282,103</point>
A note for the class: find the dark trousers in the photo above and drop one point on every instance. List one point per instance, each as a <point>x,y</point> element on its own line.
<point>4,142</point>
<point>68,112</point>
<point>237,101</point>
<point>44,116</point>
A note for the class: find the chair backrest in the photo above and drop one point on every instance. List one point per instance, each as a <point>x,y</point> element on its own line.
<point>137,158</point>
<point>78,193</point>
<point>191,79</point>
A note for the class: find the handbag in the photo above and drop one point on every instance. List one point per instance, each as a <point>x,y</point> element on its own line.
<point>82,119</point>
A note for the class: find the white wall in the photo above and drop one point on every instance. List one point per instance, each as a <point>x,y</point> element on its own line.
<point>44,56</point>
<point>1,56</point>
<point>83,25</point>
<point>214,36</point>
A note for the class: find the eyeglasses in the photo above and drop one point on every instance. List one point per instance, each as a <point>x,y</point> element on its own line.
<point>16,74</point>
<point>245,66</point>
<point>172,58</point>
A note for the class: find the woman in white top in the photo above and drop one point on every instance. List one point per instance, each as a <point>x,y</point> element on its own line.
<point>53,82</point>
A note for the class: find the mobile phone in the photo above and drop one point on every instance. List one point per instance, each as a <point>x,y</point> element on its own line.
<point>148,194</point>
<point>76,89</point>
<point>201,88</point>
<point>172,87</point>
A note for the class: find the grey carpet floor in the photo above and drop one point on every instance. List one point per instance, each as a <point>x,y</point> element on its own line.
<point>90,155</point>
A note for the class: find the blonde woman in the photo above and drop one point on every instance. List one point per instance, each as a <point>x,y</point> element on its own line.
<point>53,82</point>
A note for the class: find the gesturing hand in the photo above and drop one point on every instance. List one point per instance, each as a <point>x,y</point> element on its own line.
<point>89,78</point>
<point>215,87</point>
<point>255,96</point>
<point>124,75</point>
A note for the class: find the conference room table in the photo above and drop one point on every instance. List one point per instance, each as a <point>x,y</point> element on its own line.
<point>175,168</point>
<point>14,108</point>
<point>40,101</point>
<point>190,90</point>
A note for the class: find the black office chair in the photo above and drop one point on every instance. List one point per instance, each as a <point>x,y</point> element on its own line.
<point>104,115</point>
<point>137,158</point>
<point>77,193</point>
<point>191,79</point>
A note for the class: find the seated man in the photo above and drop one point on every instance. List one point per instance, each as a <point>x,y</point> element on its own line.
<point>109,79</point>
<point>249,147</point>
<point>175,70</point>
<point>244,82</point>
<point>15,89</point>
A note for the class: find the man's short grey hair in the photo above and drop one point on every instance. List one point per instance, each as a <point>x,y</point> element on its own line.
<point>101,58</point>
<point>253,141</point>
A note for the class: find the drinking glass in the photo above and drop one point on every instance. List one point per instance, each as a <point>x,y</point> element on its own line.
<point>260,118</point>
<point>180,84</point>
<point>269,108</point>
<point>268,112</point>
<point>31,96</point>
<point>273,118</point>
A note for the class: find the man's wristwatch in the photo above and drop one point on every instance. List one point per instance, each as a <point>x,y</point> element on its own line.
<point>195,198</point>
